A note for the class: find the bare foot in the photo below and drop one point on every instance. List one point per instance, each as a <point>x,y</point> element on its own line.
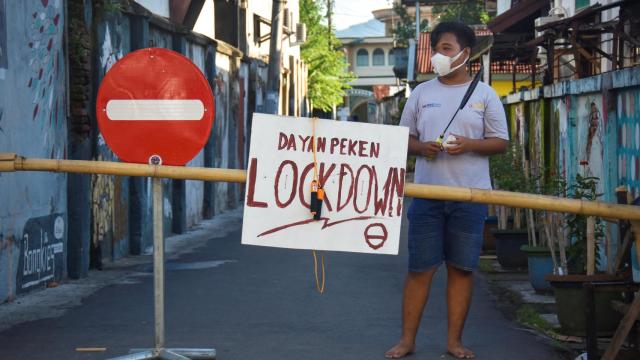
<point>460,352</point>
<point>401,350</point>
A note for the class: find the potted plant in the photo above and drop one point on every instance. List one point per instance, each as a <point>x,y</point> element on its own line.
<point>507,174</point>
<point>580,234</point>
<point>545,230</point>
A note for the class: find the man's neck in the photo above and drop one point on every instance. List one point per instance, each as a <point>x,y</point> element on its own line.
<point>457,77</point>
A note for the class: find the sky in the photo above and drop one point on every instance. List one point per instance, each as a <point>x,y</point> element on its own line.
<point>351,12</point>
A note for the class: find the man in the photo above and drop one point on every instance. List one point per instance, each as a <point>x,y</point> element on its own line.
<point>448,231</point>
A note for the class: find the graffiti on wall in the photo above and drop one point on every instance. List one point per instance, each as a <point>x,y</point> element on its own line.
<point>221,127</point>
<point>102,202</point>
<point>559,110</point>
<point>45,78</point>
<point>536,138</point>
<point>629,140</point>
<point>590,138</point>
<point>44,60</point>
<point>41,252</point>
<point>195,189</point>
<point>594,130</point>
<point>109,53</point>
<point>4,62</point>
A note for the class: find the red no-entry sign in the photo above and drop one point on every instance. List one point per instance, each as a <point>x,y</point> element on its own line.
<point>155,106</point>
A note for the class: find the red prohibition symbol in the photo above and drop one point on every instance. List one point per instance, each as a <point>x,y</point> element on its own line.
<point>375,235</point>
<point>155,106</point>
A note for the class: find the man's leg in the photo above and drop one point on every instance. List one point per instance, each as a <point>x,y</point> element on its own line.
<point>463,244</point>
<point>414,299</point>
<point>459,290</point>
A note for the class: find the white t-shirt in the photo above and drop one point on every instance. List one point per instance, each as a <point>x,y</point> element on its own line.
<point>428,111</point>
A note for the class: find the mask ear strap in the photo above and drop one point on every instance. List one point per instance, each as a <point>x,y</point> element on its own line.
<point>459,65</point>
<point>457,56</point>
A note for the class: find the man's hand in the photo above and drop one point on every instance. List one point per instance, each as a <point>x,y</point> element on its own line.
<point>430,149</point>
<point>461,145</point>
<point>487,146</point>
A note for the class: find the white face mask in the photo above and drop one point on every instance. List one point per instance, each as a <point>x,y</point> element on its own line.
<point>442,63</point>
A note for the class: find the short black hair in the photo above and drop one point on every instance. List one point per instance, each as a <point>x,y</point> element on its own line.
<point>464,34</point>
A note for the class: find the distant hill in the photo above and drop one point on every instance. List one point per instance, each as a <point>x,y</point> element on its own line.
<point>371,28</point>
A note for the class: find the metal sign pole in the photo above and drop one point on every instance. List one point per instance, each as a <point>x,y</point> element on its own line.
<point>159,352</point>
<point>158,264</point>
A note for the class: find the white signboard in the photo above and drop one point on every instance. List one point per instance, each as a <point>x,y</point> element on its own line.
<point>362,169</point>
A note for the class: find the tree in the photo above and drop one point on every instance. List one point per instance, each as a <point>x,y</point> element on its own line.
<point>328,77</point>
<point>470,12</point>
<point>406,28</point>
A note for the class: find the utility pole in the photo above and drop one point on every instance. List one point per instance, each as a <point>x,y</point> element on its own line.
<point>275,57</point>
<point>413,43</point>
<point>417,21</point>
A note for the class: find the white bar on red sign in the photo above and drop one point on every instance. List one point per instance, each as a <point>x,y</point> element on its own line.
<point>154,110</point>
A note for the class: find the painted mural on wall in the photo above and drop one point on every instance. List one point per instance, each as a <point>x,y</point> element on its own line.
<point>628,108</point>
<point>536,138</point>
<point>111,50</point>
<point>559,112</point>
<point>589,129</point>
<point>4,61</point>
<point>109,212</point>
<point>102,204</point>
<point>195,189</point>
<point>41,252</point>
<point>221,127</point>
<point>44,43</point>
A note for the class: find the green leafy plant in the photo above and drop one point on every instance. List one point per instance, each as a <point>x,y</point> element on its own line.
<point>328,74</point>
<point>583,188</point>
<point>405,29</point>
<point>507,174</point>
<point>507,171</point>
<point>468,12</point>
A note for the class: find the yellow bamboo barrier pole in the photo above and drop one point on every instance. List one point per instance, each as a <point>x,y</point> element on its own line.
<point>11,162</point>
<point>122,169</point>
<point>521,200</point>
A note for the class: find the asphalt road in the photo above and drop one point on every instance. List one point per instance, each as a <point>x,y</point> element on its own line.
<point>260,303</point>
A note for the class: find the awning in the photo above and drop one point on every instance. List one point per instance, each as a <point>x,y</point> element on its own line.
<point>423,63</point>
<point>582,14</point>
<point>514,28</point>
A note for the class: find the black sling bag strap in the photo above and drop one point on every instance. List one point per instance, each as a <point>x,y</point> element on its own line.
<point>464,101</point>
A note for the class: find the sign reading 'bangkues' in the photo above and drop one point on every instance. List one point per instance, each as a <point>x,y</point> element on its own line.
<point>362,169</point>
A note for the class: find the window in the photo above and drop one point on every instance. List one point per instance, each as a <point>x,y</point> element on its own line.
<point>392,59</point>
<point>378,57</point>
<point>362,58</point>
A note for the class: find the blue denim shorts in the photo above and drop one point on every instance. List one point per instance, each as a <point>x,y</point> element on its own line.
<point>445,231</point>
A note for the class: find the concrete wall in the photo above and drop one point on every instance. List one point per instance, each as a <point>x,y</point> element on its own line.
<point>33,110</point>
